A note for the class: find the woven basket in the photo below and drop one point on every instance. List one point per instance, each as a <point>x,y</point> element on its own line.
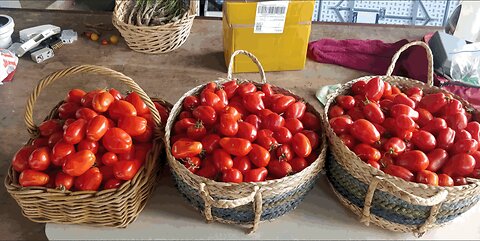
<point>153,39</point>
<point>387,201</point>
<point>113,207</point>
<point>242,203</point>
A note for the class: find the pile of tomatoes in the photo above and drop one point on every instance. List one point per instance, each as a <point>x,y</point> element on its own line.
<point>98,141</point>
<point>238,133</point>
<point>424,138</point>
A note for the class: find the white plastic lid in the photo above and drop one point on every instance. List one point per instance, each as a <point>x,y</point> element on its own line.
<point>6,24</point>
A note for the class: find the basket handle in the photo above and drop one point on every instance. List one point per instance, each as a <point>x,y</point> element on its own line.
<point>43,83</point>
<point>255,197</point>
<point>253,58</point>
<point>405,47</point>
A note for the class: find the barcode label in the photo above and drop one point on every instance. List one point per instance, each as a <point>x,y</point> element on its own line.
<point>270,17</point>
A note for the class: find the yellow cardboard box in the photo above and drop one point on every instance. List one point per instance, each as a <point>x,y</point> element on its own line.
<point>276,51</point>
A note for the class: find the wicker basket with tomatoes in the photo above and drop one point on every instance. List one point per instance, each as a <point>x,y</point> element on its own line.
<point>243,152</point>
<point>404,152</point>
<point>94,160</point>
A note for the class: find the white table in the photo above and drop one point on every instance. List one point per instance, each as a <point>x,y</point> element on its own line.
<point>319,216</point>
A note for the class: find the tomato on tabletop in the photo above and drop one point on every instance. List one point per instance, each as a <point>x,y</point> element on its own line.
<point>29,178</point>
<point>117,140</point>
<point>186,148</point>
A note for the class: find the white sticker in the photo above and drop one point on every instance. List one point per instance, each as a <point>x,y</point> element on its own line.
<point>270,17</point>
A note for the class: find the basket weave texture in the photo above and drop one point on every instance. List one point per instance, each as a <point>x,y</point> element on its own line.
<point>387,201</point>
<point>153,39</point>
<point>243,203</point>
<point>113,207</point>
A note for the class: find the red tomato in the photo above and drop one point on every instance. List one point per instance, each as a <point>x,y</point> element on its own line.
<point>459,165</point>
<point>279,169</point>
<point>386,160</point>
<point>75,95</point>
<point>197,131</point>
<point>96,128</point>
<point>122,108</point>
<point>222,160</point>
<point>356,113</point>
<point>78,163</point>
<point>400,172</point>
<point>247,131</point>
<point>136,101</point>
<point>435,125</point>
<point>312,137</point>
<point>437,159</point>
<point>29,178</point>
<point>459,181</point>
<point>347,102</point>
<point>117,140</point>
<point>282,135</point>
<point>237,104</point>
<point>267,142</point>
<point>210,142</point>
<point>107,172</point>
<point>311,121</point>
<point>301,145</point>
<point>453,106</point>
<point>433,102</point>
<point>341,125</point>
<point>230,110</point>
<point>413,160</point>
<point>427,177</point>
<point>293,125</point>
<point>185,114</point>
<point>468,146</point>
<point>255,175</point>
<point>296,110</point>
<point>285,153</point>
<point>206,114</point>
<point>364,131</point>
<point>222,95</point>
<point>87,99</point>
<point>474,129</point>
<point>126,170</point>
<point>63,181</point>
<point>282,103</point>
<point>374,89</point>
<point>207,169</point>
<point>236,146</point>
<point>88,145</point>
<point>89,181</point>
<point>445,180</point>
<point>230,88</point>
<point>372,163</point>
<point>424,141</point>
<point>273,121</point>
<point>404,122</point>
<point>39,159</point>
<point>112,184</point>
<point>20,159</point>
<point>115,93</point>
<point>367,152</point>
<point>209,98</point>
<point>49,127</point>
<point>245,88</point>
<point>348,140</point>
<point>267,89</point>
<point>259,156</point>
<point>373,113</point>
<point>40,142</point>
<point>109,158</point>
<point>190,102</point>
<point>358,87</point>
<point>102,101</point>
<point>335,111</point>
<point>415,98</point>
<point>54,138</point>
<point>403,99</point>
<point>394,146</point>
<point>462,135</point>
<point>387,90</point>
<point>254,120</point>
<point>85,113</point>
<point>242,163</point>
<point>385,104</point>
<point>182,125</point>
<point>67,110</point>
<point>141,150</point>
<point>253,101</point>
<point>185,148</point>
<point>228,125</point>
<point>60,151</point>
<point>445,138</point>
<point>414,91</point>
<point>299,163</point>
<point>424,117</point>
<point>400,109</point>
<point>67,123</point>
<point>232,175</point>
<point>162,111</point>
<point>191,163</point>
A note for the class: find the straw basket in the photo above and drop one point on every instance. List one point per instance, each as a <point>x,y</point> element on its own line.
<point>387,201</point>
<point>153,39</point>
<point>242,203</point>
<point>113,207</point>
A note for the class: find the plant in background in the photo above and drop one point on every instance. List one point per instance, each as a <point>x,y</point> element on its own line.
<point>155,12</point>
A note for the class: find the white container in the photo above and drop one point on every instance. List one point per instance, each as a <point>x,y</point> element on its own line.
<point>6,30</point>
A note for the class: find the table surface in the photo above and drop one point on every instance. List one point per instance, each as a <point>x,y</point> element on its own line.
<point>168,76</point>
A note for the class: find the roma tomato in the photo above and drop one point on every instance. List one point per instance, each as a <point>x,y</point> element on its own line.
<point>185,114</point>
<point>63,181</point>
<point>394,146</point>
<point>236,146</point>
<point>29,178</point>
<point>374,164</point>
<point>445,138</point>
<point>85,113</point>
<point>55,138</point>
<point>400,172</point>
<point>245,88</point>
<point>96,128</point>
<point>102,101</point>
<point>474,129</point>
<point>197,131</point>
<point>210,142</point>
<point>413,160</point>
<point>247,131</point>
<point>299,163</point>
<point>232,175</point>
<point>373,113</point>
<point>40,142</point>
<point>20,159</point>
<point>348,140</point>
<point>206,114</point>
<point>228,125</point>
<point>209,98</point>
<point>367,152</point>
<point>341,125</point>
<point>435,125</point>
<point>293,125</point>
<point>374,89</point>
<point>182,125</point>
<point>414,91</point>
<point>190,102</point>
<point>238,105</point>
<point>387,90</point>
<point>192,163</point>
<point>222,95</point>
<point>87,99</point>
<point>253,102</point>
<point>267,142</point>
<point>230,110</point>
<point>146,136</point>
<point>459,181</point>
<point>121,108</point>
<point>403,99</point>
<point>358,87</point>
<point>424,117</point>
<point>356,113</point>
<point>311,121</point>
<point>107,172</point>
<point>364,131</point>
<point>437,159</point>
<point>112,184</point>
<point>186,148</point>
<point>267,89</point>
<point>285,153</point>
<point>117,140</point>
<point>89,181</point>
<point>39,159</point>
<point>404,122</point>
<point>347,102</point>
<point>242,163</point>
<point>296,110</point>
<point>385,105</point>
<point>254,120</point>
<point>282,135</point>
<point>462,135</point>
<point>255,175</point>
<point>136,101</point>
<point>312,137</point>
<point>424,140</point>
<point>109,158</point>
<point>400,109</point>
<point>279,169</point>
<point>301,145</point>
<point>47,128</point>
<point>126,170</point>
<point>427,177</point>
<point>452,107</point>
<point>222,160</point>
<point>385,161</point>
<point>60,151</point>
<point>433,102</point>
<point>459,165</point>
<point>88,145</point>
<point>335,111</point>
<point>78,163</point>
<point>259,156</point>
<point>75,95</point>
<point>130,155</point>
<point>67,110</point>
<point>445,180</point>
<point>162,111</point>
<point>230,88</point>
<point>273,121</point>
<point>468,146</point>
<point>282,103</point>
<point>115,93</point>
